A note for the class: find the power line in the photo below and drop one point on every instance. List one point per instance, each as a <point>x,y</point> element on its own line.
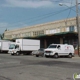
<point>68,14</point>
<point>70,9</point>
<point>51,14</point>
<point>47,15</point>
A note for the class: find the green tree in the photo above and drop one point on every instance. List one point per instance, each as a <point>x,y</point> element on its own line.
<point>2,36</point>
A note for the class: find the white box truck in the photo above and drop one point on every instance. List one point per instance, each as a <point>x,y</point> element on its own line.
<point>4,46</point>
<point>24,46</point>
<point>56,50</point>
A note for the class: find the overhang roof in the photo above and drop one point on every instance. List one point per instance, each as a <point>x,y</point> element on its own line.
<point>47,35</point>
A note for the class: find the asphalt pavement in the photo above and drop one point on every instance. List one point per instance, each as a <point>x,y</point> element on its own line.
<point>29,67</point>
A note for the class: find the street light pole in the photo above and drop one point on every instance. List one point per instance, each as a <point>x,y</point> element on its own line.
<point>77,22</point>
<point>78,27</point>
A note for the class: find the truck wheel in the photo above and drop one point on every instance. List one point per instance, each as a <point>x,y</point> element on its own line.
<point>55,55</point>
<point>12,54</point>
<point>70,55</point>
<point>46,56</point>
<point>17,53</point>
<point>37,55</point>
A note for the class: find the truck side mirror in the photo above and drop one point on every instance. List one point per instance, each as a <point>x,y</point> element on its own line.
<point>15,47</point>
<point>58,46</point>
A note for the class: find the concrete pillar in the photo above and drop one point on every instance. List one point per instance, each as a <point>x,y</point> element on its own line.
<point>45,43</point>
<point>61,40</point>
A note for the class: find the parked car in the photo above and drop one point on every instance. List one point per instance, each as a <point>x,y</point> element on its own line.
<point>39,52</point>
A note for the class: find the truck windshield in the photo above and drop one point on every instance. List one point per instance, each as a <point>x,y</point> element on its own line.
<point>52,46</point>
<point>12,46</point>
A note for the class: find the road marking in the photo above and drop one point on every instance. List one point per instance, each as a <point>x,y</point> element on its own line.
<point>15,62</point>
<point>76,58</point>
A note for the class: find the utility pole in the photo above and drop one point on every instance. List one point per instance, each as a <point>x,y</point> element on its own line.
<point>78,27</point>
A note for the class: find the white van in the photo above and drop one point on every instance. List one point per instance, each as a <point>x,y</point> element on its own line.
<point>57,50</point>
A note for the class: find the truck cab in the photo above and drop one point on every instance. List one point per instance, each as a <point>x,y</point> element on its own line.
<point>14,49</point>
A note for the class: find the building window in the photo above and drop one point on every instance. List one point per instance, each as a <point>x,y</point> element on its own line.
<point>36,33</point>
<point>47,32</point>
<point>75,28</point>
<point>29,34</point>
<point>67,28</point>
<point>25,34</point>
<point>71,28</point>
<point>58,30</point>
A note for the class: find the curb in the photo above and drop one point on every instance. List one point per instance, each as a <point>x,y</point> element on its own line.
<point>76,57</point>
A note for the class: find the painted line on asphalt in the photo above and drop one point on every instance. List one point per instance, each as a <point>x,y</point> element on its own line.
<point>18,62</point>
<point>76,58</point>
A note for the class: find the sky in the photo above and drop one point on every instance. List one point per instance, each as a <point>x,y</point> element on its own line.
<point>15,14</point>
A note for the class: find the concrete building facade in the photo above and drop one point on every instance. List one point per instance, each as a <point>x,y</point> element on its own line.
<point>62,31</point>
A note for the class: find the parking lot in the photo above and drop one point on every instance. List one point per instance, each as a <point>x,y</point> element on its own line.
<point>29,67</point>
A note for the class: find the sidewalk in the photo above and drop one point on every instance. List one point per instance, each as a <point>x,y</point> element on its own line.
<point>76,55</point>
